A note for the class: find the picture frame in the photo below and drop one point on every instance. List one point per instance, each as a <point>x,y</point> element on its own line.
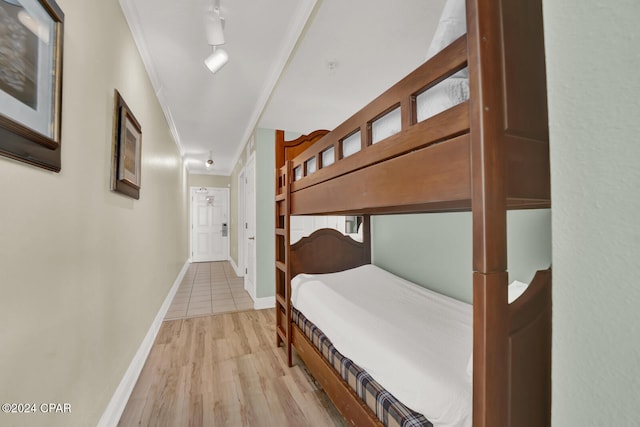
<point>31,44</point>
<point>126,162</point>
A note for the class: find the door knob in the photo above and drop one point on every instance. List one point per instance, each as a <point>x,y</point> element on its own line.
<point>252,238</point>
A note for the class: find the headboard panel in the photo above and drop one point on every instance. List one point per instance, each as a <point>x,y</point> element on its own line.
<point>328,251</point>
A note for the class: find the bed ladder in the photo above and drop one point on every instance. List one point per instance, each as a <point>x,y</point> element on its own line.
<point>283,266</point>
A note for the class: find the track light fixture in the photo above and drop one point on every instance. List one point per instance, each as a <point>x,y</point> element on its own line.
<point>217,59</point>
<point>214,26</point>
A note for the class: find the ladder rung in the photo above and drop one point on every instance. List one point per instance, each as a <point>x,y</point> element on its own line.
<point>281,231</point>
<point>281,266</point>
<point>282,334</point>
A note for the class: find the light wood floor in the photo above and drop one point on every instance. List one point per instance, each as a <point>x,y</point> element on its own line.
<point>224,370</point>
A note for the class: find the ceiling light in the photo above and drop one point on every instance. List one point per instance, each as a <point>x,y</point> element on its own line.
<point>217,59</point>
<point>209,162</point>
<point>214,25</point>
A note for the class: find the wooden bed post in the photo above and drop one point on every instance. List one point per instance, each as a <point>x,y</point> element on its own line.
<point>490,277</point>
<point>507,112</point>
<point>283,251</point>
<point>285,152</point>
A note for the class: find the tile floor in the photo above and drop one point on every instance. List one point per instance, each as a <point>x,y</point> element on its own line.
<point>209,288</point>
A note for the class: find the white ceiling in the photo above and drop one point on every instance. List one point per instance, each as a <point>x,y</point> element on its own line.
<point>279,74</point>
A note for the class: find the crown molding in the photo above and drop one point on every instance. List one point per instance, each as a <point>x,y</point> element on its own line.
<point>132,17</point>
<point>302,19</point>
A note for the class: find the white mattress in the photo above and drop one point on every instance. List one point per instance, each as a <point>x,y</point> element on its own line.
<point>414,342</point>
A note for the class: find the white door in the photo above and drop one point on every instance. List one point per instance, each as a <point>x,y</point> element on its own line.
<point>209,224</point>
<point>250,227</point>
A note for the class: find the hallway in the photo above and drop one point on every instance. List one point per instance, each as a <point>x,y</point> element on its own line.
<point>225,370</point>
<point>209,288</point>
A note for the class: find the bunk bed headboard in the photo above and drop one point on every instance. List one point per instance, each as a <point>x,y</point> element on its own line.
<point>328,251</point>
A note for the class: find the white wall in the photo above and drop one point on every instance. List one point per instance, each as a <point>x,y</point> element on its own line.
<point>594,103</point>
<point>83,271</point>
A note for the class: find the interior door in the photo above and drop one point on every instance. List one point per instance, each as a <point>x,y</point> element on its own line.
<point>250,228</point>
<point>209,224</point>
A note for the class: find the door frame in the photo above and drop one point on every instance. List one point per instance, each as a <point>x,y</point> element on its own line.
<point>192,193</point>
<point>245,244</point>
<point>241,227</point>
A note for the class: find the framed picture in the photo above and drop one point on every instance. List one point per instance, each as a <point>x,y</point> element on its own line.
<point>127,150</point>
<point>31,37</point>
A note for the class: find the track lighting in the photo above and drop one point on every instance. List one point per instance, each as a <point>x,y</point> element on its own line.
<point>217,59</point>
<point>214,26</point>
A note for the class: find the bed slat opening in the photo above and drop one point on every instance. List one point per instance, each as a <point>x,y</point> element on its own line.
<point>310,166</point>
<point>386,125</point>
<point>441,96</point>
<point>328,157</point>
<point>297,173</point>
<point>350,145</point>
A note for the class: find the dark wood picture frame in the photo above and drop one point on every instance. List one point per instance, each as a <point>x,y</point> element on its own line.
<point>31,94</point>
<point>126,161</point>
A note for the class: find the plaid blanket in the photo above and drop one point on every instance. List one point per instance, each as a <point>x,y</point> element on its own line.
<point>387,408</point>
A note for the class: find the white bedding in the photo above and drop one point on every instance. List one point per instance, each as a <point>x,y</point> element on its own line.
<point>414,342</point>
<point>455,89</point>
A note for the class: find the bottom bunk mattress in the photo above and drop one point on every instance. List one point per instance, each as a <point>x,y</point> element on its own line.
<point>389,410</point>
<point>415,343</point>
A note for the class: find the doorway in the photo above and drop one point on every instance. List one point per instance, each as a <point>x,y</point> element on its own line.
<point>209,224</point>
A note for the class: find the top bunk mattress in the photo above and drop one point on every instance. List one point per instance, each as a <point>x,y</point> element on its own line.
<point>415,342</point>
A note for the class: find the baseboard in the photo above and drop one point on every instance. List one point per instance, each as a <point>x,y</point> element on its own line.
<point>236,268</point>
<point>112,414</point>
<point>265,302</point>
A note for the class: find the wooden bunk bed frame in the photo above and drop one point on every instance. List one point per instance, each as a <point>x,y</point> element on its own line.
<point>486,155</point>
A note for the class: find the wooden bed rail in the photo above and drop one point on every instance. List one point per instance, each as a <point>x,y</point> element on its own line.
<point>529,354</point>
<point>403,94</point>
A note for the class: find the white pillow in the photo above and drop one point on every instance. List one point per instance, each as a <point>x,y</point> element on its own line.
<point>452,24</point>
<point>516,289</point>
<point>442,96</point>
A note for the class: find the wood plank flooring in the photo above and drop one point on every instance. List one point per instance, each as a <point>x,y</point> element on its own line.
<point>224,370</point>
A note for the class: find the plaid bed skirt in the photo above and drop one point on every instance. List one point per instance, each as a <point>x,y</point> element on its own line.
<point>387,408</point>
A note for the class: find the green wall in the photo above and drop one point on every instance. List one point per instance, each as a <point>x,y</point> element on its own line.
<point>594,91</point>
<point>435,250</point>
<point>262,144</point>
<point>265,213</point>
<point>233,198</point>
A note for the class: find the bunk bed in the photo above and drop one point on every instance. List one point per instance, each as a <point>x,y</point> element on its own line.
<point>485,154</point>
